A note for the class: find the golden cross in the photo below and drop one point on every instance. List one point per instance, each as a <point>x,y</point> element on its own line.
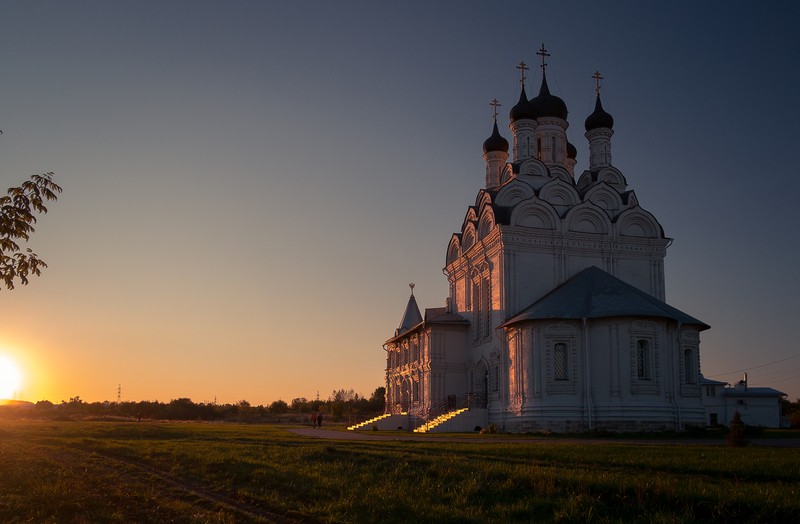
<point>522,67</point>
<point>543,53</point>
<point>597,77</point>
<point>495,104</point>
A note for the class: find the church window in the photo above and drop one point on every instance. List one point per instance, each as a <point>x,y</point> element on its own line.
<point>415,391</point>
<point>527,147</point>
<point>560,370</point>
<point>553,149</point>
<point>688,365</point>
<point>487,309</point>
<point>539,148</point>
<point>496,381</point>
<point>476,310</point>
<point>711,391</point>
<point>643,360</point>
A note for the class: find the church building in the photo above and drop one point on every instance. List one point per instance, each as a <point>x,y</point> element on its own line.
<point>556,317</point>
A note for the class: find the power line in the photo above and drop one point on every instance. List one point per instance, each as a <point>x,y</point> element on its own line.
<point>756,367</point>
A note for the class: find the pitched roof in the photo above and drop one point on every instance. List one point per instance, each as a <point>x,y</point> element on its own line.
<point>411,317</point>
<point>752,392</point>
<point>593,293</point>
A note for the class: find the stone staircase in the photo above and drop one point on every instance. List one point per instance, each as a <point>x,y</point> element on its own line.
<point>367,424</point>
<point>440,421</point>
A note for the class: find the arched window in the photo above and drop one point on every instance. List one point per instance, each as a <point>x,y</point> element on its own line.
<point>539,148</point>
<point>643,360</point>
<point>560,370</point>
<point>476,310</point>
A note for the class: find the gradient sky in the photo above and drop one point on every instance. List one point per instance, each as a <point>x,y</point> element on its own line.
<point>249,187</point>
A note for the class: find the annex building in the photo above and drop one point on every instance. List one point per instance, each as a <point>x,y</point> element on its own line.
<point>556,317</point>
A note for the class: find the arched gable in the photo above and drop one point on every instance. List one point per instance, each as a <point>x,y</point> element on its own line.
<point>604,196</point>
<point>587,218</point>
<point>471,216</point>
<point>559,193</point>
<point>468,237</point>
<point>514,192</point>
<point>629,199</point>
<point>486,222</point>
<point>636,222</point>
<point>537,214</point>
<point>533,167</point>
<point>560,173</point>
<point>585,180</point>
<point>453,249</point>
<point>507,174</point>
<point>613,177</point>
<point>483,198</point>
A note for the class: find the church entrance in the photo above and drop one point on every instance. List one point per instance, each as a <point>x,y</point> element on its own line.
<point>480,387</point>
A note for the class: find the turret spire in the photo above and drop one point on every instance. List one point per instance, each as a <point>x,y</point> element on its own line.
<point>495,151</point>
<point>599,129</point>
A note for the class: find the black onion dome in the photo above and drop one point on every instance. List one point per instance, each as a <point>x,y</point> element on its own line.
<point>523,110</point>
<point>549,105</point>
<point>599,118</point>
<point>495,142</point>
<point>572,152</point>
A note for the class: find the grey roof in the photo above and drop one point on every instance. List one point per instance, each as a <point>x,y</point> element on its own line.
<point>752,392</point>
<point>440,315</point>
<point>435,315</point>
<point>709,382</point>
<point>593,293</point>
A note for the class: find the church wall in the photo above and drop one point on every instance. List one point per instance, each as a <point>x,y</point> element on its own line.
<point>535,275</point>
<point>630,368</point>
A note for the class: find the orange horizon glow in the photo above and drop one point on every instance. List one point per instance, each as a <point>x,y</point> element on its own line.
<point>10,378</point>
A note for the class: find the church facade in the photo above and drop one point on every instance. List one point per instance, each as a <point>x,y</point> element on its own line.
<point>555,319</point>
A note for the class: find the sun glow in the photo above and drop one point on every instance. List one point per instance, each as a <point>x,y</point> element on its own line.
<point>10,378</point>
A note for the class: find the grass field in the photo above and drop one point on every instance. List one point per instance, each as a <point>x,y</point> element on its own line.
<point>192,472</point>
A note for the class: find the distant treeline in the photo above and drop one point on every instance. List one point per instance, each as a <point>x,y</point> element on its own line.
<point>341,405</point>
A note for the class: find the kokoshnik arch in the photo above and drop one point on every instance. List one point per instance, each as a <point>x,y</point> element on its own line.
<point>556,317</point>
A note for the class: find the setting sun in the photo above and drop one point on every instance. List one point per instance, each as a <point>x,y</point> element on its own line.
<point>10,378</point>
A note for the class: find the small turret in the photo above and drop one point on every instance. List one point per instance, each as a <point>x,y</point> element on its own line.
<point>412,317</point>
<point>599,131</point>
<point>495,152</point>
<point>551,133</point>
<point>522,122</point>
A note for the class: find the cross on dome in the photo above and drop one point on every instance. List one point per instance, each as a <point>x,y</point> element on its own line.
<point>495,104</point>
<point>543,53</point>
<point>411,285</point>
<point>522,67</point>
<point>597,77</point>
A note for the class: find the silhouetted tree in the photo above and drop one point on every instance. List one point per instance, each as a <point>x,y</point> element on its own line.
<point>279,407</point>
<point>18,210</point>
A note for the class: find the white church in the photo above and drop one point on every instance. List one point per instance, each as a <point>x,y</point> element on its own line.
<point>556,319</point>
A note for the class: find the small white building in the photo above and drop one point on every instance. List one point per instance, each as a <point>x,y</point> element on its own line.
<point>758,406</point>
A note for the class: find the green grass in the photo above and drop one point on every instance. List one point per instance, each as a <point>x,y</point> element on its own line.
<point>129,472</point>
